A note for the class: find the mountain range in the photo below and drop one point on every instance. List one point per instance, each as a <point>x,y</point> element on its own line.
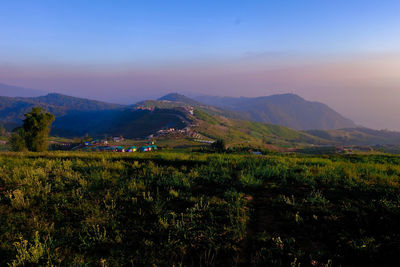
<point>288,110</point>
<point>233,119</point>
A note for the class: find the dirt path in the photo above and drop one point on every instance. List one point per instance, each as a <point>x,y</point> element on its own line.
<point>260,216</point>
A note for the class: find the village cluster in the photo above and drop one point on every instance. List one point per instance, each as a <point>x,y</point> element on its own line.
<point>102,145</point>
<point>187,131</point>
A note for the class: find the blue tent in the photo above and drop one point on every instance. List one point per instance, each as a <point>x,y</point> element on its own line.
<point>132,149</point>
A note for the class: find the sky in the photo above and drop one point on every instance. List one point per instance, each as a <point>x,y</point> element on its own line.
<point>342,53</point>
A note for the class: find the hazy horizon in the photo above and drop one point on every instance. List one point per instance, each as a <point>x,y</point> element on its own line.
<point>346,55</point>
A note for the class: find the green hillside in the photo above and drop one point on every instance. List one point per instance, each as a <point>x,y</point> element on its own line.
<point>214,123</point>
<point>359,136</point>
<point>243,132</point>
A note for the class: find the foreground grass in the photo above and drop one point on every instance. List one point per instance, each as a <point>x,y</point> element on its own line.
<point>170,209</point>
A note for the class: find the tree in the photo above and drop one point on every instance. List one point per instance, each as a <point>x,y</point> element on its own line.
<point>37,128</point>
<point>17,140</point>
<point>219,145</point>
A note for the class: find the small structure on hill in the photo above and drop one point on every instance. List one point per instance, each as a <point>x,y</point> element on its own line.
<point>118,139</point>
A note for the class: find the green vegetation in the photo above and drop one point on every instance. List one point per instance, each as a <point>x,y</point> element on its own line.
<point>17,140</point>
<point>152,104</point>
<point>180,209</point>
<point>358,136</point>
<point>34,133</point>
<point>241,132</point>
<point>204,116</point>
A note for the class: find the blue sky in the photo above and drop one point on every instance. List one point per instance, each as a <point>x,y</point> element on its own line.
<point>345,53</point>
<point>113,32</point>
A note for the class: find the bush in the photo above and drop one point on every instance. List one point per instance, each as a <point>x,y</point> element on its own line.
<point>219,146</point>
<point>17,140</point>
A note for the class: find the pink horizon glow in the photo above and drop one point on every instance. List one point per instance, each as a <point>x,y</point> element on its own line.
<point>364,89</point>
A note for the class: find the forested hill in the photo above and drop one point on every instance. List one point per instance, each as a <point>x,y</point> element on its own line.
<point>74,103</point>
<point>12,109</point>
<point>288,110</point>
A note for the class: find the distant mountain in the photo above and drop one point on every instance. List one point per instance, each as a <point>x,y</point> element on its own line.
<point>16,91</point>
<point>288,110</point>
<point>73,103</point>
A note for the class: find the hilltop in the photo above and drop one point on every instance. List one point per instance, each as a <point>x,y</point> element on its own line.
<point>175,97</point>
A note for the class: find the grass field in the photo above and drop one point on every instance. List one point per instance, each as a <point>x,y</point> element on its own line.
<point>188,209</point>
